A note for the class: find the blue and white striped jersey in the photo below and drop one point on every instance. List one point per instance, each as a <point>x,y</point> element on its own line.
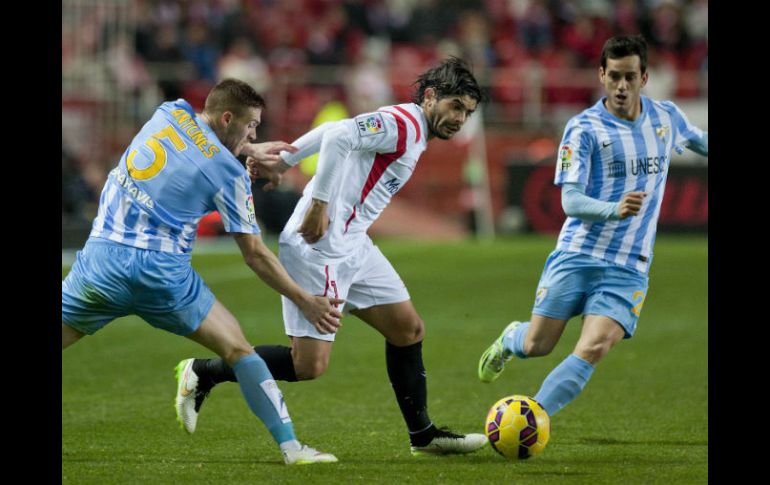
<point>612,156</point>
<point>174,172</point>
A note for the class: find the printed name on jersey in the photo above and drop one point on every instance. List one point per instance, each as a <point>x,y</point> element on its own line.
<point>392,185</point>
<point>125,181</point>
<point>250,208</point>
<point>189,126</point>
<point>371,124</point>
<point>565,157</point>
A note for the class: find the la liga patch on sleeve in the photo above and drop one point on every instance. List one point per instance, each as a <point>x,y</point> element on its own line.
<point>370,124</point>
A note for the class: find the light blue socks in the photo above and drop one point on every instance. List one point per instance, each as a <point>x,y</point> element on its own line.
<point>265,399</point>
<point>513,342</point>
<point>564,383</point>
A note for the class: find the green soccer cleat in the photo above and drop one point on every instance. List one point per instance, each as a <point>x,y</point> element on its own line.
<point>445,442</point>
<point>307,456</point>
<point>494,358</point>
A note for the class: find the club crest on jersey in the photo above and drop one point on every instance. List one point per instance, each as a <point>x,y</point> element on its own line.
<point>662,131</point>
<point>250,208</point>
<point>540,296</point>
<point>371,124</point>
<point>565,157</point>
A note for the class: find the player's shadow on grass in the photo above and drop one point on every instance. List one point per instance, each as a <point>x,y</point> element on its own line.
<point>611,442</point>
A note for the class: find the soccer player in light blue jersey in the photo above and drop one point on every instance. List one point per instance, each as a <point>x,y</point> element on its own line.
<point>612,168</point>
<point>136,261</point>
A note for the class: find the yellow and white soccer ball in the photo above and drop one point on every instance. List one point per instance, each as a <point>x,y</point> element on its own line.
<point>518,427</point>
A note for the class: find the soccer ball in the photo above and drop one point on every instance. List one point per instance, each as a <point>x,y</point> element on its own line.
<point>518,427</point>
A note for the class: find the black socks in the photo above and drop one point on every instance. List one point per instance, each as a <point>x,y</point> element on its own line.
<point>407,376</point>
<point>277,357</point>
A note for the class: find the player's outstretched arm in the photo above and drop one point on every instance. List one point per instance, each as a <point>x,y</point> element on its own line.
<point>267,151</point>
<point>319,310</point>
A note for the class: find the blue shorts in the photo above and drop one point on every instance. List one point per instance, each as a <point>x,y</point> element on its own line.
<point>110,280</point>
<point>578,284</point>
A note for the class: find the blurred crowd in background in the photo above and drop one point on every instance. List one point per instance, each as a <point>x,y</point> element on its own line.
<point>536,58</point>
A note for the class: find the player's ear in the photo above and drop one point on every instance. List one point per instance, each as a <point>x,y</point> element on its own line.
<point>601,74</point>
<point>226,117</point>
<point>645,76</point>
<point>429,94</point>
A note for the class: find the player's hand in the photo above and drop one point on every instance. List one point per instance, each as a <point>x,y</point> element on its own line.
<point>630,204</point>
<point>315,223</point>
<point>273,171</point>
<point>267,151</point>
<point>322,312</point>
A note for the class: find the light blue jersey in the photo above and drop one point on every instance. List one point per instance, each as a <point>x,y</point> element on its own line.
<point>173,173</point>
<point>612,156</point>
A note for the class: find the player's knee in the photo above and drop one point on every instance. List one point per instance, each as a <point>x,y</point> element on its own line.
<point>411,331</point>
<point>310,369</point>
<point>236,353</point>
<point>593,352</point>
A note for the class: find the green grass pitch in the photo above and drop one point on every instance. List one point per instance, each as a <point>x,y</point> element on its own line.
<point>641,419</point>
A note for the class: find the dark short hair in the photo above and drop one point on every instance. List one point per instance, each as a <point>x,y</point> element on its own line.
<point>624,46</point>
<point>232,95</point>
<point>453,77</point>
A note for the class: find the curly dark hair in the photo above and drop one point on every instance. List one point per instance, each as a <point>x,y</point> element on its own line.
<point>453,77</point>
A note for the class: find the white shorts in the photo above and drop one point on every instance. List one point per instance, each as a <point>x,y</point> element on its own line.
<point>363,280</point>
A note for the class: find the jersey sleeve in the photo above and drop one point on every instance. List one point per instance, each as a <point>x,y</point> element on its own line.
<point>235,204</point>
<point>307,144</point>
<point>577,204</point>
<point>573,162</point>
<point>686,134</point>
<point>372,132</point>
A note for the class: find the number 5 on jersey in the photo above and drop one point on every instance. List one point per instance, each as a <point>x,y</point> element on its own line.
<point>159,154</point>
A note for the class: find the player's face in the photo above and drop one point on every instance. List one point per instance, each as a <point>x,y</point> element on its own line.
<point>446,115</point>
<point>623,82</point>
<point>240,131</point>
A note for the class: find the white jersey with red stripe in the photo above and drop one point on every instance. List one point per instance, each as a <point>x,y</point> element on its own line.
<point>363,162</point>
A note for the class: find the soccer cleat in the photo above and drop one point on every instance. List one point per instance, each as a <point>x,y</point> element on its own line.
<point>189,395</point>
<point>445,442</point>
<point>307,456</point>
<point>494,358</point>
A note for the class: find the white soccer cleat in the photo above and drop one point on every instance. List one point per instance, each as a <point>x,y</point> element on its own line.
<point>447,443</point>
<point>307,456</point>
<point>189,397</point>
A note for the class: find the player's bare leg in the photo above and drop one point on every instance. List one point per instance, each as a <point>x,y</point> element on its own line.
<point>221,333</point>
<point>404,330</point>
<point>567,380</point>
<point>535,338</point>
<point>69,335</point>
<point>310,357</point>
<point>598,336</point>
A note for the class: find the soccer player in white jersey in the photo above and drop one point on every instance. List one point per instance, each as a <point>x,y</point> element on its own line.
<point>612,168</point>
<point>363,162</point>
<point>179,167</point>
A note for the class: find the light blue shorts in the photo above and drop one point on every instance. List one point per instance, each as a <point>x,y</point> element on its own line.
<point>110,280</point>
<point>578,284</point>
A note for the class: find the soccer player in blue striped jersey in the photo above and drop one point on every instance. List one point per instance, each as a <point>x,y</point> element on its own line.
<point>179,167</point>
<point>612,167</point>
